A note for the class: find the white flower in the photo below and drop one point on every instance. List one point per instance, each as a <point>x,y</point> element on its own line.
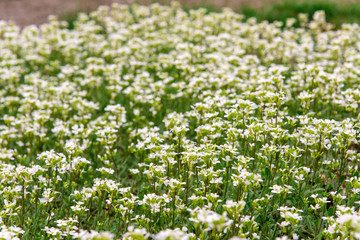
<point>169,234</point>
<point>93,235</point>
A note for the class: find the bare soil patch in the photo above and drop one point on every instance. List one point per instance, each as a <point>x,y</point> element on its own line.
<point>26,12</point>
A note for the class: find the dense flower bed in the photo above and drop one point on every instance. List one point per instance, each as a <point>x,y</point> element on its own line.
<point>156,123</point>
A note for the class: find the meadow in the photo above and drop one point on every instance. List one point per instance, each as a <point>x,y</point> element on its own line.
<point>152,122</point>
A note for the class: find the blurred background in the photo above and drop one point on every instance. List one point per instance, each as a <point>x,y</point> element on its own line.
<point>26,12</point>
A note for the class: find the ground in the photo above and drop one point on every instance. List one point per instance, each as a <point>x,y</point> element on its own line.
<point>25,12</point>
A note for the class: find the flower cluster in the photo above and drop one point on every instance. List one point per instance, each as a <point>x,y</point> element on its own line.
<point>152,122</point>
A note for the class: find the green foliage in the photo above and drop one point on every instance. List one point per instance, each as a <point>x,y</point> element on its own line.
<point>336,12</point>
<point>70,18</point>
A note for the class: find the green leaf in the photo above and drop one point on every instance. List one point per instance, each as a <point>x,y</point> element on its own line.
<point>267,171</point>
<point>331,211</point>
<point>342,178</point>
